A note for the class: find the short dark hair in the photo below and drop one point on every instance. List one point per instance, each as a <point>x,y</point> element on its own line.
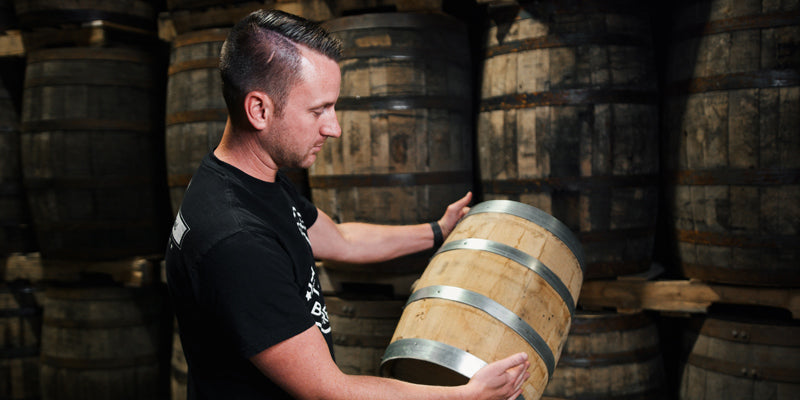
<point>261,53</point>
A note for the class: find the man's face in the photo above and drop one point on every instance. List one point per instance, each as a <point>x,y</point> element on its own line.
<point>294,138</point>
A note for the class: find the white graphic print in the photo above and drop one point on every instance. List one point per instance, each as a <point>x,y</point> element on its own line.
<point>318,310</point>
<point>301,226</point>
<point>179,230</point>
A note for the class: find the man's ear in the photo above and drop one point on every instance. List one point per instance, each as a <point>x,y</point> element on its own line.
<point>258,107</point>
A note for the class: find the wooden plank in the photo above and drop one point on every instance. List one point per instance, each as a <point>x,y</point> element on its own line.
<point>683,296</point>
<point>133,272</point>
<point>11,44</point>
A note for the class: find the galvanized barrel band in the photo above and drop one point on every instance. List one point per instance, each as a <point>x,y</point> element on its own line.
<point>494,309</point>
<point>438,353</point>
<point>519,257</point>
<point>538,217</point>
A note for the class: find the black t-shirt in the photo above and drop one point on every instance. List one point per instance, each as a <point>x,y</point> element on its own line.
<point>241,276</point>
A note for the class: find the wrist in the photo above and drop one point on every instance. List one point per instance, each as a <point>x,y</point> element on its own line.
<point>438,238</point>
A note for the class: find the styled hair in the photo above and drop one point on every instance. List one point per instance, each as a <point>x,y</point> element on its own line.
<point>261,54</point>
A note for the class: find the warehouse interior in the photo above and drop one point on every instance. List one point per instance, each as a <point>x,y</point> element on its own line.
<point>664,135</point>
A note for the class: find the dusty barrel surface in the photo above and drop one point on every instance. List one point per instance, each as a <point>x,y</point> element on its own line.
<point>406,140</point>
<point>93,175</point>
<point>747,358</point>
<point>610,356</point>
<point>732,109</point>
<point>506,280</point>
<point>101,342</point>
<point>568,123</point>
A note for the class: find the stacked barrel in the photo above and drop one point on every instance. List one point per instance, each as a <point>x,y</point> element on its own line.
<point>732,117</point>
<point>568,123</point>
<point>91,157</point>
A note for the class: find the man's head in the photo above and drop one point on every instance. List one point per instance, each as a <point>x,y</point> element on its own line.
<point>261,54</point>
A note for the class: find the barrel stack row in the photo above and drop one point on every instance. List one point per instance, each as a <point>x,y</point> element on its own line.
<point>564,116</point>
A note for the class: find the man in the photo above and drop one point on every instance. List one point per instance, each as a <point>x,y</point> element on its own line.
<point>240,262</point>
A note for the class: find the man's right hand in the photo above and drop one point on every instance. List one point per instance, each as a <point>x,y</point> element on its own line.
<point>502,379</point>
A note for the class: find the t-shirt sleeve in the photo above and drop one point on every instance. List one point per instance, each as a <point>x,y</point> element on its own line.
<point>247,284</point>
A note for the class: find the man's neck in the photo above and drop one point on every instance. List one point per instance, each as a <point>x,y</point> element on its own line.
<point>241,150</point>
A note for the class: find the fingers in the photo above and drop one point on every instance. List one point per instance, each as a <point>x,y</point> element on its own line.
<point>514,360</point>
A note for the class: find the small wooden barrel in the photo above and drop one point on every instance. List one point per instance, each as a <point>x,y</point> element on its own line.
<point>610,356</point>
<point>196,111</point>
<point>568,123</point>
<point>361,331</point>
<point>16,233</point>
<point>93,172</point>
<point>101,343</point>
<point>20,329</point>
<point>40,13</point>
<point>506,280</point>
<point>405,151</point>
<point>732,113</point>
<point>737,358</point>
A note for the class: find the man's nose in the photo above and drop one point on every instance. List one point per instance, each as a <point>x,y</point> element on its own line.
<point>331,127</point>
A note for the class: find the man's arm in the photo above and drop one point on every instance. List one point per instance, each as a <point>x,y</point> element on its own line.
<point>303,367</point>
<point>356,242</point>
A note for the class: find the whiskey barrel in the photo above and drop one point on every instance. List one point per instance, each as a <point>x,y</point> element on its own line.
<point>610,356</point>
<point>362,328</point>
<point>506,280</point>
<point>16,232</point>
<point>568,123</point>
<point>196,111</point>
<point>40,13</point>
<point>101,343</point>
<point>741,358</point>
<point>405,150</point>
<point>20,329</point>
<point>92,152</point>
<point>732,113</point>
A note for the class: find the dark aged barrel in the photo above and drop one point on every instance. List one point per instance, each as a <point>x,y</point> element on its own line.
<point>101,343</point>
<point>20,330</point>
<point>568,123</point>
<point>38,13</point>
<point>741,358</point>
<point>16,232</point>
<point>92,152</point>
<point>732,117</point>
<point>196,111</point>
<point>362,328</point>
<point>506,280</point>
<point>404,109</point>
<point>610,356</point>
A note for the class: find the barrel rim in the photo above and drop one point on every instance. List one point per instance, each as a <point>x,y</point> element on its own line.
<point>538,217</point>
<point>393,20</point>
<point>434,352</point>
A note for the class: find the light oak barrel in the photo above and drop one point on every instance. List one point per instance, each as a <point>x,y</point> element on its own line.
<point>568,123</point>
<point>506,280</point>
<point>92,152</point>
<point>610,356</point>
<point>732,113</point>
<point>737,358</point>
<point>101,343</point>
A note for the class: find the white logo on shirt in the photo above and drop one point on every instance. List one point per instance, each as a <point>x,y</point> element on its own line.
<point>318,311</point>
<point>301,226</point>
